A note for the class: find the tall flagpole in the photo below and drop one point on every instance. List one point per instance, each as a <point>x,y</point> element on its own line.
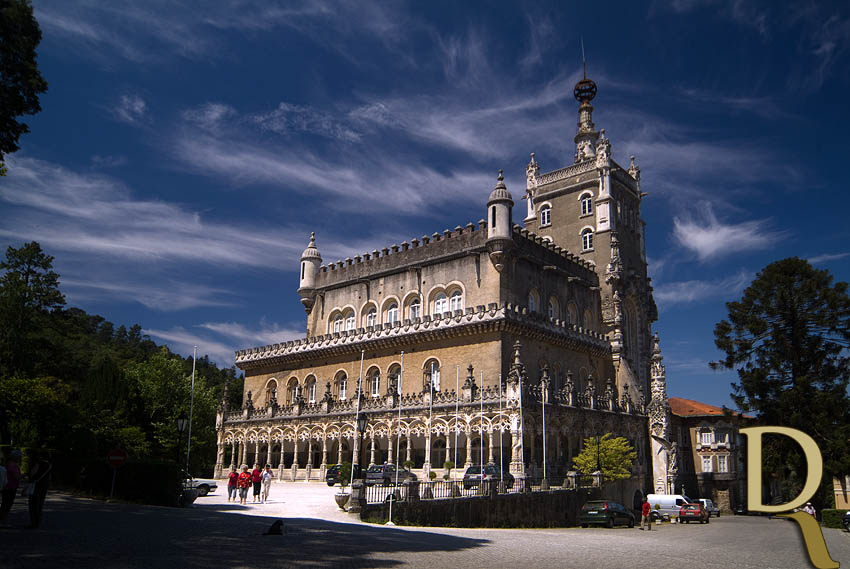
<point>354,458</point>
<point>481,429</point>
<point>398,442</point>
<point>543,391</point>
<point>430,419</point>
<point>501,431</point>
<point>191,405</point>
<point>457,412</point>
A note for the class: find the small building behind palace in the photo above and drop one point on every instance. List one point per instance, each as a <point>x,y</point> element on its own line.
<point>489,342</point>
<point>711,451</point>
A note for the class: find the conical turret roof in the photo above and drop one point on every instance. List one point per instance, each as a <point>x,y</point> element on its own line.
<point>500,192</point>
<point>311,252</point>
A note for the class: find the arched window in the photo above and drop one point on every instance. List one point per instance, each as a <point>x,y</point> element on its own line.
<point>371,317</point>
<point>441,303</point>
<point>375,383</point>
<point>310,384</point>
<point>587,239</point>
<point>392,313</point>
<point>338,323</point>
<point>586,204</point>
<point>292,391</point>
<point>349,321</point>
<point>432,374</point>
<point>545,215</point>
<point>588,319</point>
<point>415,309</point>
<point>456,301</point>
<point>394,377</point>
<point>572,313</point>
<point>271,389</point>
<point>342,386</point>
<point>553,311</point>
<point>532,301</point>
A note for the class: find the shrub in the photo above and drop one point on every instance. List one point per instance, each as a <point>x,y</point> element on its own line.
<point>832,518</point>
<point>344,474</point>
<point>408,464</point>
<point>432,475</point>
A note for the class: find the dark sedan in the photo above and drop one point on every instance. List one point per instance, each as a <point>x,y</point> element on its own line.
<point>472,477</point>
<point>606,513</point>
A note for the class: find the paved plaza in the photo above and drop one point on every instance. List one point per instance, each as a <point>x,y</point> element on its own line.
<point>86,533</point>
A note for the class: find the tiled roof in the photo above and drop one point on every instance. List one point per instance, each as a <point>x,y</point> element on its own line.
<point>691,408</point>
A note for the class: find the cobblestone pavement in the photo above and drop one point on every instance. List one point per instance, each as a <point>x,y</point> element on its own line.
<point>85,533</point>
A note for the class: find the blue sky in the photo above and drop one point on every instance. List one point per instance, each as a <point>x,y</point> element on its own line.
<point>186,150</point>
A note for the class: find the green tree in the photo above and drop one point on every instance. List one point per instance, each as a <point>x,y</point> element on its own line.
<point>615,456</point>
<point>29,288</point>
<point>20,80</point>
<point>788,338</point>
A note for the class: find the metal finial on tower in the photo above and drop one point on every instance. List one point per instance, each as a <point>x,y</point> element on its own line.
<point>501,177</point>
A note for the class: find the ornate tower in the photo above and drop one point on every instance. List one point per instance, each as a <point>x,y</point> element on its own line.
<point>499,223</point>
<point>592,208</point>
<point>310,262</point>
<point>665,452</point>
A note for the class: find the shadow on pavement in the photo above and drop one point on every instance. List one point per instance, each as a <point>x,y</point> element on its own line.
<point>78,532</point>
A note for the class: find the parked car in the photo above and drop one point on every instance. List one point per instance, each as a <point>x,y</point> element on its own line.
<point>607,513</point>
<point>710,507</point>
<point>668,504</point>
<point>472,477</point>
<point>332,475</point>
<point>693,512</point>
<point>202,485</point>
<point>386,475</point>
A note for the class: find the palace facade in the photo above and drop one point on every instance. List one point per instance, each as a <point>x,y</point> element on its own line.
<point>492,341</point>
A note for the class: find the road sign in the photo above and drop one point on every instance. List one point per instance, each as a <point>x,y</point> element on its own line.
<point>116,458</point>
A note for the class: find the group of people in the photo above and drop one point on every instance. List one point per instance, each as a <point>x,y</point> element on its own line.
<point>258,479</point>
<point>34,488</point>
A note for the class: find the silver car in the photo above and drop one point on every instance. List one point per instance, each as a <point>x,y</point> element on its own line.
<point>203,485</point>
<point>710,507</point>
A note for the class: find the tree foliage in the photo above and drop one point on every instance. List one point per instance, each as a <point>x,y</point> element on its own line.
<point>788,338</point>
<point>615,457</point>
<point>75,383</point>
<point>20,80</point>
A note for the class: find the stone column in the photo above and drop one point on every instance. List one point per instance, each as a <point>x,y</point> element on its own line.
<point>355,449</point>
<point>244,448</point>
<point>372,456</point>
<point>310,451</point>
<point>426,468</point>
<point>233,454</point>
<point>268,454</point>
<point>390,449</point>
<point>295,453</point>
<point>324,451</point>
<point>517,467</point>
<point>219,460</point>
<point>339,451</point>
<point>490,443</point>
<point>449,455</point>
<point>409,449</point>
<point>468,462</point>
<point>532,459</point>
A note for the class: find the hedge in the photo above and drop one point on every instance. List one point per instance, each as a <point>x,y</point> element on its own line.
<point>832,518</point>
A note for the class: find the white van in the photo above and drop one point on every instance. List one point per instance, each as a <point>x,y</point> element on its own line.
<point>669,504</point>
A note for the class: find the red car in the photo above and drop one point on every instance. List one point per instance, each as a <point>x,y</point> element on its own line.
<point>694,512</point>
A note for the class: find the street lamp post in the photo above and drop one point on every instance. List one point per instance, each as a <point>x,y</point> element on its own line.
<point>598,461</point>
<point>182,423</point>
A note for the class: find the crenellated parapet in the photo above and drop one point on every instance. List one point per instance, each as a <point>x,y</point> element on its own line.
<point>481,319</point>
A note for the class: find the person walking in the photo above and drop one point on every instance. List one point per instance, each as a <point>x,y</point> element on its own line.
<point>232,487</point>
<point>13,481</point>
<point>267,483</point>
<point>257,480</point>
<point>646,515</point>
<point>38,480</point>
<point>243,483</point>
<point>809,509</point>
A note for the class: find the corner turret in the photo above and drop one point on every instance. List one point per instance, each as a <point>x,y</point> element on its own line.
<point>310,262</point>
<point>500,223</point>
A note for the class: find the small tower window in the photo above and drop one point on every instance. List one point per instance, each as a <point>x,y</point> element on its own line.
<point>338,323</point>
<point>376,385</point>
<point>302,270</point>
<point>493,217</point>
<point>545,216</point>
<point>415,309</point>
<point>456,301</point>
<point>587,240</point>
<point>586,205</point>
<point>343,387</point>
<point>349,321</point>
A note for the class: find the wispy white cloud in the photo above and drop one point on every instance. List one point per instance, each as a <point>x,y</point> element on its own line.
<point>109,161</point>
<point>709,238</point>
<point>165,296</point>
<point>287,117</point>
<point>221,339</point>
<point>131,109</point>
<point>827,257</point>
<point>669,294</point>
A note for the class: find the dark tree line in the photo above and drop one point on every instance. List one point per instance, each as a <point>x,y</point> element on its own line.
<point>78,385</point>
